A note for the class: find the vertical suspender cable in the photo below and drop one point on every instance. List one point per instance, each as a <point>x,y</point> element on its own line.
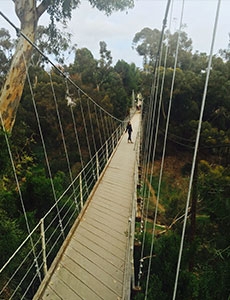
<point>84,123</point>
<point>196,149</point>
<point>98,125</point>
<point>91,126</point>
<point>150,120</point>
<point>44,150</point>
<point>61,127</point>
<point>21,199</point>
<point>162,161</point>
<point>76,132</point>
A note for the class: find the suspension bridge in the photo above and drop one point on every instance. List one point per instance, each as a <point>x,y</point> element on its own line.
<point>96,259</point>
<point>83,246</point>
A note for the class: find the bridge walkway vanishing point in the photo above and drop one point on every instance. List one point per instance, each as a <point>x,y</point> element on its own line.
<point>95,262</point>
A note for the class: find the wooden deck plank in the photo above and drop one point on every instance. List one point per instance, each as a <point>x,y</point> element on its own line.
<point>77,259</point>
<point>93,262</point>
<point>100,261</point>
<point>105,245</point>
<point>108,256</point>
<point>100,230</point>
<point>93,280</point>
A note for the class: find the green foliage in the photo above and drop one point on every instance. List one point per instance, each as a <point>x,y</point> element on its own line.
<point>130,76</point>
<point>214,189</point>
<point>10,234</point>
<point>109,6</point>
<point>59,47</point>
<point>147,43</point>
<point>209,278</point>
<point>4,155</point>
<point>6,47</point>
<point>163,268</point>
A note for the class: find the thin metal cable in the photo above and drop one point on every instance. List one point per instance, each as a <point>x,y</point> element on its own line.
<point>98,126</point>
<point>147,165</point>
<point>107,126</point>
<point>196,148</point>
<point>21,198</point>
<point>85,127</point>
<point>91,126</point>
<point>61,129</point>
<point>44,148</point>
<point>150,128</point>
<point>75,127</point>
<point>103,126</point>
<point>76,136</point>
<point>153,102</point>
<point>151,115</point>
<point>153,157</point>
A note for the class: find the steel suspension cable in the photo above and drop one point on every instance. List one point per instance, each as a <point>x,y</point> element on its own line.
<point>150,125</point>
<point>62,135</point>
<point>154,148</point>
<point>21,199</point>
<point>153,102</point>
<point>196,149</point>
<point>91,126</point>
<point>103,125</point>
<point>150,155</point>
<point>44,149</point>
<point>164,150</point>
<point>72,105</point>
<point>84,124</point>
<point>151,111</point>
<point>98,125</point>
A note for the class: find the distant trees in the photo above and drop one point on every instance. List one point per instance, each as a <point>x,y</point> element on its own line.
<point>112,86</point>
<point>146,43</point>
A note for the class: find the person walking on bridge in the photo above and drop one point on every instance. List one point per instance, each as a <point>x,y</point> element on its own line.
<point>129,129</point>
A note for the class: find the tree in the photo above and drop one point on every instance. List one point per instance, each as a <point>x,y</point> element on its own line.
<point>184,59</point>
<point>104,65</point>
<point>58,48</point>
<point>147,42</point>
<point>29,13</point>
<point>6,47</point>
<point>84,65</point>
<point>129,74</point>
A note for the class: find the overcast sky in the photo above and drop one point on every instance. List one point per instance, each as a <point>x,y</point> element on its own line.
<point>89,26</point>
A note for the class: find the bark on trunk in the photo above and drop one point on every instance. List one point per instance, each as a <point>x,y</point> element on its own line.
<point>12,89</point>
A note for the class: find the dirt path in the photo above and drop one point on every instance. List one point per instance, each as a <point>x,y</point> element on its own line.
<point>154,198</point>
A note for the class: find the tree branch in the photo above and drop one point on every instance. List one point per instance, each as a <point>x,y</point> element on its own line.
<point>42,7</point>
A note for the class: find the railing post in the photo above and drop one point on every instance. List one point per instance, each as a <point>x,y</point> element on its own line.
<point>43,247</point>
<point>107,150</point>
<point>113,143</point>
<point>81,190</point>
<point>97,165</point>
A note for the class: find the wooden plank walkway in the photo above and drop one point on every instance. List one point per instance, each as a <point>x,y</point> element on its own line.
<point>92,264</point>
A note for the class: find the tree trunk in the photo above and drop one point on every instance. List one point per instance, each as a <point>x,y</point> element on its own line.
<point>12,89</point>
